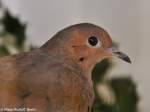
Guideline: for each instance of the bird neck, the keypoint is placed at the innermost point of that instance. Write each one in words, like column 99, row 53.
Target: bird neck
column 62, row 54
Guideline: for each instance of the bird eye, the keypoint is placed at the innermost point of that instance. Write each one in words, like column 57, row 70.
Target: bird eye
column 93, row 41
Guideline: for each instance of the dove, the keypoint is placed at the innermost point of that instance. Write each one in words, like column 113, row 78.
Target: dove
column 57, row 76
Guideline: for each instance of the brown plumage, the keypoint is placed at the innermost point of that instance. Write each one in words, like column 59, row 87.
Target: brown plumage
column 57, row 76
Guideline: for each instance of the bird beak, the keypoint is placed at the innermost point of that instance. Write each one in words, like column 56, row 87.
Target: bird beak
column 115, row 52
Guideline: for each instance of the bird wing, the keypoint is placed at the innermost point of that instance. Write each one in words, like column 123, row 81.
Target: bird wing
column 36, row 81
column 20, row 76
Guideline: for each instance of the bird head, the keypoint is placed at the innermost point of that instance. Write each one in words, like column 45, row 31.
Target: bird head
column 86, row 44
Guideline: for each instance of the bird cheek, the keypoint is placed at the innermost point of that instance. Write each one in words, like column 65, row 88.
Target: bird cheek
column 103, row 54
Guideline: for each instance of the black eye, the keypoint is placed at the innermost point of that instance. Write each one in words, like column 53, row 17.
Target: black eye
column 93, row 41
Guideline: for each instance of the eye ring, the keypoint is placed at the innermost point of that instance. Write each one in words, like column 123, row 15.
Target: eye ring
column 94, row 42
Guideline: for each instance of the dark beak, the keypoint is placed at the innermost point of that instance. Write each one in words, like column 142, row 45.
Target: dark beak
column 120, row 54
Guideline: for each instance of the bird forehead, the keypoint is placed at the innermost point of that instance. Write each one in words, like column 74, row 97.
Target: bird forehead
column 81, row 36
column 79, row 33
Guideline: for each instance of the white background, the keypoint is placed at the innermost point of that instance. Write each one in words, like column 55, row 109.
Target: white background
column 127, row 21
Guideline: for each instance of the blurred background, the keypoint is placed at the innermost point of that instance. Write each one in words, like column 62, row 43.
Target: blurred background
column 27, row 24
